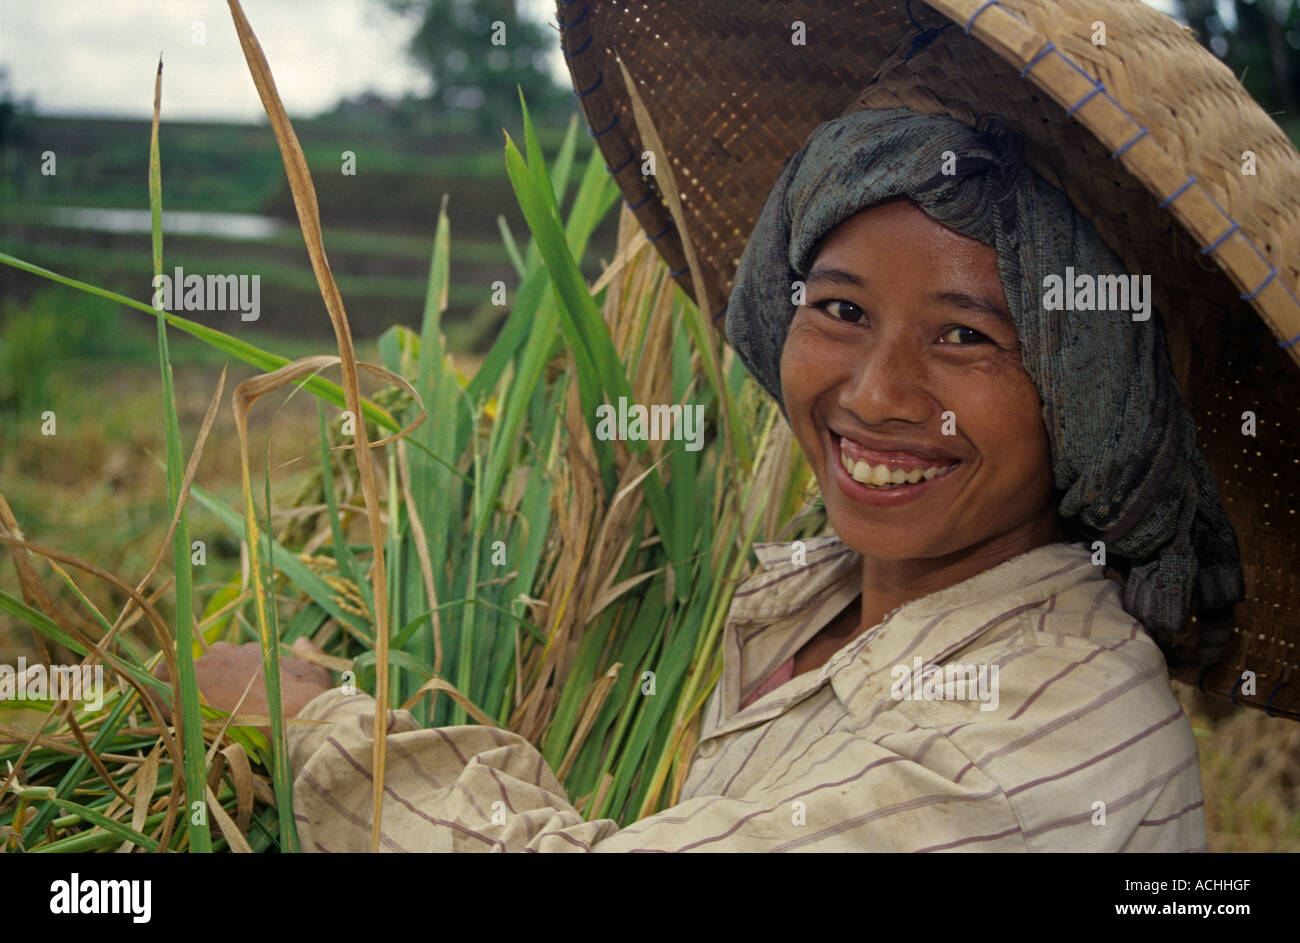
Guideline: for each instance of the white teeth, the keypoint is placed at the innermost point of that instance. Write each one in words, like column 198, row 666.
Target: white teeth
column 882, row 475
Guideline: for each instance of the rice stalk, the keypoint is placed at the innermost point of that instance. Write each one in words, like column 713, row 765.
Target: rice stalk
column 188, row 721
column 304, row 200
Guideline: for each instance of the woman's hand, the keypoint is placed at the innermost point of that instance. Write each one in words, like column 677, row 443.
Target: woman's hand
column 224, row 671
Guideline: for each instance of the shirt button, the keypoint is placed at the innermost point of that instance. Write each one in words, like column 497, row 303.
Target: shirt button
column 707, row 749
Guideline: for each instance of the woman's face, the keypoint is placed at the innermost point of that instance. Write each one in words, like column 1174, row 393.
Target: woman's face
column 900, row 340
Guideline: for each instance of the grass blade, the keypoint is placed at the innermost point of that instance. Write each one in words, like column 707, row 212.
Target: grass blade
column 191, row 725
column 304, row 201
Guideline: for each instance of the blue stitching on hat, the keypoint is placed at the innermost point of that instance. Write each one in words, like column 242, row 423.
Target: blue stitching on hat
column 1200, row 682
column 1271, row 272
column 720, row 313
column 680, row 271
column 1218, row 242
column 922, row 39
column 647, row 196
column 1268, row 705
column 1097, row 83
column 923, row 36
column 1082, row 101
column 1050, row 47
column 630, row 153
column 1264, row 258
column 663, row 232
column 564, row 25
column 577, row 52
column 595, row 85
column 1131, row 141
column 1233, row 696
column 1078, row 68
column 1177, row 193
column 971, row 21
column 596, row 134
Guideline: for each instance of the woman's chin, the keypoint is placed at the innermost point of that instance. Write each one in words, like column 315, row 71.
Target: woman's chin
column 884, row 541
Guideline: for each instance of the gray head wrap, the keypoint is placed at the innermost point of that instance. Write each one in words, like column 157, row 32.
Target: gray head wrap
column 1123, row 447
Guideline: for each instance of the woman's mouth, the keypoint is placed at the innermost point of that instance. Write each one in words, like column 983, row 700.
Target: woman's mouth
column 878, row 475
column 888, row 475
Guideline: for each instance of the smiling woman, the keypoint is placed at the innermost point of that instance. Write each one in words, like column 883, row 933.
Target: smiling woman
column 872, row 364
column 964, row 437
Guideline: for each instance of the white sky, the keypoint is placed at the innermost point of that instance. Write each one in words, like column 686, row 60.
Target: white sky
column 98, row 57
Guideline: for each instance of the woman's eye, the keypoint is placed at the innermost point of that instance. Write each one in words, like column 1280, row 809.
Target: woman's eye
column 852, row 316
column 850, row 313
column 978, row 337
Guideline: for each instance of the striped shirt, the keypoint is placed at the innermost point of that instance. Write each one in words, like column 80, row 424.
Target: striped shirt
column 1019, row 710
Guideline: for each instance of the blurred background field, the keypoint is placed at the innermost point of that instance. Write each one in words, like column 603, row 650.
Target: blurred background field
column 97, row 489
column 227, row 208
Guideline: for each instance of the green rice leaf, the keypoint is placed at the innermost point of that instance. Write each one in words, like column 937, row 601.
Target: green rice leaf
column 192, row 743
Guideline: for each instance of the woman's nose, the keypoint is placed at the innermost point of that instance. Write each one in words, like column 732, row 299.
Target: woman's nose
column 888, row 381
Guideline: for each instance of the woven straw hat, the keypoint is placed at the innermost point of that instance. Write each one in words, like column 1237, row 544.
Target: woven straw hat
column 1149, row 135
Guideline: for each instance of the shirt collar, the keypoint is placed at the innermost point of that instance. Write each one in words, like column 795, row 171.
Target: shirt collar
column 803, row 585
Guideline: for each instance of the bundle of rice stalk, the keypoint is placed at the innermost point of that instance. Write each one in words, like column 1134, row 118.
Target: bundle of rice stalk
column 601, row 567
column 635, row 602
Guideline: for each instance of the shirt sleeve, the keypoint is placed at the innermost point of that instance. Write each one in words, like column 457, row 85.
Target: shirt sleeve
column 475, row 788
column 446, row 789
